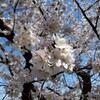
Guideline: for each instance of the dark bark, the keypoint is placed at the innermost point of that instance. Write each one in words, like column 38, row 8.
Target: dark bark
column 92, row 5
column 26, row 94
column 4, row 27
column 9, row 67
column 27, row 55
column 89, row 21
column 40, row 9
column 5, row 60
column 86, row 83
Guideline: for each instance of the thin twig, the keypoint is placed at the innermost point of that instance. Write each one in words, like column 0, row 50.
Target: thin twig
column 66, row 82
column 5, row 95
column 91, row 5
column 96, row 78
column 40, row 9
column 37, row 81
column 97, row 18
column 43, row 84
column 53, row 91
column 16, row 4
column 3, row 85
column 54, row 76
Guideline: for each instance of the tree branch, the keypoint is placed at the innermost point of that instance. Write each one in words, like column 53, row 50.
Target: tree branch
column 53, row 91
column 97, row 18
column 91, row 5
column 93, row 27
column 15, row 6
column 27, row 55
column 41, row 11
column 6, row 60
column 54, row 76
column 86, row 82
column 26, row 93
column 4, row 27
column 5, row 95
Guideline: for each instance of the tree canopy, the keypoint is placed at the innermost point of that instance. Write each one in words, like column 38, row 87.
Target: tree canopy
column 49, row 49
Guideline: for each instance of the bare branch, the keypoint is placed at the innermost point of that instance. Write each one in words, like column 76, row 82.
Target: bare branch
column 86, row 82
column 66, row 82
column 93, row 27
column 40, row 9
column 16, row 6
column 3, row 85
column 97, row 18
column 5, row 95
column 43, row 84
column 26, row 93
column 53, row 91
column 14, row 16
column 27, row 55
column 3, row 27
column 54, row 76
column 37, row 81
column 91, row 5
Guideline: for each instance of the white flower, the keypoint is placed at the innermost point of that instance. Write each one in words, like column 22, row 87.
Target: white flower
column 58, row 63
column 53, row 69
column 51, row 24
column 96, row 65
column 68, row 67
column 39, row 74
column 40, row 59
column 3, row 5
column 60, row 42
column 54, row 55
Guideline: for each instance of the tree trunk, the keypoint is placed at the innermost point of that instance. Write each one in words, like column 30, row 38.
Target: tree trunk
column 26, row 94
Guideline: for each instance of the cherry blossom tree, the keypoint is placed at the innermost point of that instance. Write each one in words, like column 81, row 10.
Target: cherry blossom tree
column 49, row 49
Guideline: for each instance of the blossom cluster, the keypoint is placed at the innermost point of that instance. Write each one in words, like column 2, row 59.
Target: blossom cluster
column 50, row 50
column 43, row 37
column 49, row 30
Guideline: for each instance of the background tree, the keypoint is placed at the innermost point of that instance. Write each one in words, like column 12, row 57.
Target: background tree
column 50, row 49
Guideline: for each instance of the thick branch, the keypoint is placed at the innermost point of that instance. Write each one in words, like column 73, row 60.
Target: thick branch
column 9, row 67
column 27, row 55
column 86, row 82
column 5, row 60
column 26, row 93
column 4, row 27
